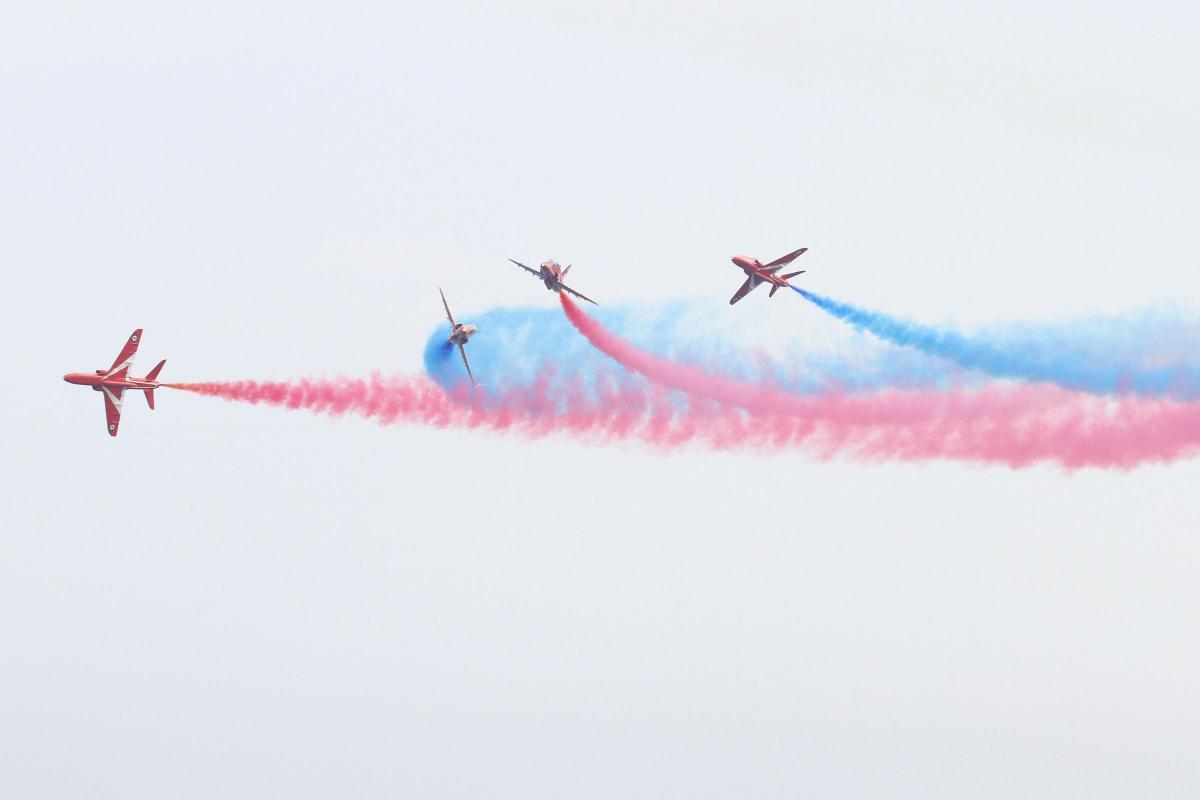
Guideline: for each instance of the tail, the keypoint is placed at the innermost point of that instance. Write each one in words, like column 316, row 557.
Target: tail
column 775, row 288
column 151, row 376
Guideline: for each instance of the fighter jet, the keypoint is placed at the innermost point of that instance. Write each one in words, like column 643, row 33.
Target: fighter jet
column 758, row 272
column 115, row 380
column 459, row 335
column 552, row 274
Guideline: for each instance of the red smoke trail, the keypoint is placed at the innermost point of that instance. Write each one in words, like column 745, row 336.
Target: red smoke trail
column 1014, row 425
column 604, row 413
column 891, row 406
column 1072, row 431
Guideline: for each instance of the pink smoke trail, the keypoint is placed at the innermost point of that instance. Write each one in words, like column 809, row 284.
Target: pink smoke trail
column 1014, row 425
column 612, row 412
column 1061, row 427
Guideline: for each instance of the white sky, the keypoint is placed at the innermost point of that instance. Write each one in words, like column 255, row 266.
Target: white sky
column 229, row 600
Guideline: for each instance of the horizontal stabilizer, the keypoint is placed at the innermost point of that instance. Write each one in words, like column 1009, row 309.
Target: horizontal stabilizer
column 793, row 274
column 152, row 375
column 149, row 398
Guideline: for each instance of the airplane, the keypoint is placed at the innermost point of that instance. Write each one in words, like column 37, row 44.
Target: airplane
column 459, row 335
column 115, row 380
column 758, row 273
column 552, row 274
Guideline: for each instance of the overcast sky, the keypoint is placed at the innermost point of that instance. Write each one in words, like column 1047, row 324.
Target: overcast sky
column 231, row 600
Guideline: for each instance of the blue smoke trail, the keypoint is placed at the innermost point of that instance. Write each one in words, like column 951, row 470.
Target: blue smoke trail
column 1151, row 353
column 438, row 363
column 517, row 347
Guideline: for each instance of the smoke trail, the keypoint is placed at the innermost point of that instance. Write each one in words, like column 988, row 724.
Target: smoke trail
column 622, row 393
column 1016, row 425
column 1148, row 354
column 998, row 427
column 763, row 399
column 516, row 344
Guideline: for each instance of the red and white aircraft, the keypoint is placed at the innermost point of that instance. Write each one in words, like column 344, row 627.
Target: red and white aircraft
column 552, row 273
column 460, row 334
column 758, row 272
column 115, row 380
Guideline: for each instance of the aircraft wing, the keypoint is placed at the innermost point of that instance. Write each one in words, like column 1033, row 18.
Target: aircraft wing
column 527, row 269
column 120, row 367
column 112, row 408
column 742, row 292
column 789, row 258
column 446, row 306
column 569, row 290
column 463, row 352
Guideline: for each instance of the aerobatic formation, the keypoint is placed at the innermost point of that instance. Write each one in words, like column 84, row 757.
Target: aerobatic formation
column 1107, row 393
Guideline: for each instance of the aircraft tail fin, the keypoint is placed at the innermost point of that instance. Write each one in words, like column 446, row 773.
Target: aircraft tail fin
column 793, row 274
column 774, row 289
column 565, row 271
column 152, row 375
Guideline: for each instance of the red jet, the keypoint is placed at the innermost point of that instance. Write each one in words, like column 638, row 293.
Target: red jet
column 758, row 272
column 460, row 334
column 552, row 273
column 115, row 380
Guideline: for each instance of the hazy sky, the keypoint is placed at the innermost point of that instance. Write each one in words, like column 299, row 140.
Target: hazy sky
column 230, row 600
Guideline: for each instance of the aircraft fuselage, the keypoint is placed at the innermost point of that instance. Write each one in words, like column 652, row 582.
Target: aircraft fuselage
column 462, row 333
column 753, row 269
column 97, row 382
column 552, row 275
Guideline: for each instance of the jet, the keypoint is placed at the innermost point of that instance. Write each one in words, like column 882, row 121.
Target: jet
column 115, row 380
column 552, row 274
column 758, row 272
column 460, row 334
